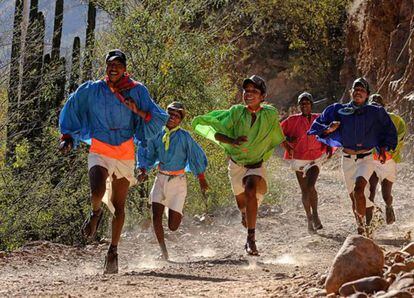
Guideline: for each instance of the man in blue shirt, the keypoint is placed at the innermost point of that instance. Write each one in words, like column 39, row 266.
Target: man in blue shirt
column 359, row 128
column 174, row 151
column 110, row 115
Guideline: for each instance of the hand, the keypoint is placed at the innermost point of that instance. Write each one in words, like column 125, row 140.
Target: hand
column 329, row 151
column 240, row 140
column 332, row 127
column 203, row 185
column 66, row 145
column 142, row 176
column 288, row 148
column 383, row 155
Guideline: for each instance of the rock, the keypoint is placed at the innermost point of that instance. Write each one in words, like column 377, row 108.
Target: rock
column 367, row 285
column 397, row 268
column 2, row 254
column 358, row 257
column 358, row 295
column 394, row 294
column 403, row 281
column 409, row 249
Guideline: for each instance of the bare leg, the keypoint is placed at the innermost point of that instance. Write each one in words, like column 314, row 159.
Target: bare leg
column 97, row 180
column 359, row 201
column 373, row 181
column 251, row 184
column 157, row 212
column 241, row 204
column 174, row 220
column 313, row 174
column 119, row 195
column 303, row 183
column 386, row 187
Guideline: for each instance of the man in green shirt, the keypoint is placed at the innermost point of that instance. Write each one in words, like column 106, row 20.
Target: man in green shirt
column 248, row 133
column 387, row 172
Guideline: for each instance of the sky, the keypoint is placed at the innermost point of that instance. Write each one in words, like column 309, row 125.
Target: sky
column 74, row 24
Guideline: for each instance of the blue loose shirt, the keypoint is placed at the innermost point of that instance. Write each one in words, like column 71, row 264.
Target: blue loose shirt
column 183, row 153
column 368, row 127
column 93, row 111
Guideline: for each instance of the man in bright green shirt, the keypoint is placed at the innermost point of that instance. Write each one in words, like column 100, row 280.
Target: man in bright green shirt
column 387, row 172
column 248, row 134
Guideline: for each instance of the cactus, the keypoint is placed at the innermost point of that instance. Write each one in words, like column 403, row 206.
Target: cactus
column 57, row 30
column 13, row 90
column 32, row 71
column 90, row 42
column 75, row 71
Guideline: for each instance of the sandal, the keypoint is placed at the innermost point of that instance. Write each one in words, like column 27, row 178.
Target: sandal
column 91, row 224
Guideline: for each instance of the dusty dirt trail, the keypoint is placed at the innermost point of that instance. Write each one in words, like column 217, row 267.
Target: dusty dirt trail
column 208, row 260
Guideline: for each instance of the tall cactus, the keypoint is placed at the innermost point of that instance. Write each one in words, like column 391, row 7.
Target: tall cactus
column 13, row 91
column 90, row 42
column 75, row 71
column 32, row 71
column 57, row 30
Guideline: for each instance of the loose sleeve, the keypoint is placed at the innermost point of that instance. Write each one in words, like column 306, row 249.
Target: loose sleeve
column 73, row 119
column 196, row 158
column 220, row 121
column 146, row 155
column 322, row 123
column 388, row 136
column 149, row 127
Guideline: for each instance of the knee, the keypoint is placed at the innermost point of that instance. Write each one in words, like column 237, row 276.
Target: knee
column 173, row 226
column 359, row 189
column 119, row 211
column 98, row 191
column 312, row 191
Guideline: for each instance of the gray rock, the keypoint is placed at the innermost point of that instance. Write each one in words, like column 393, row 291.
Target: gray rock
column 368, row 285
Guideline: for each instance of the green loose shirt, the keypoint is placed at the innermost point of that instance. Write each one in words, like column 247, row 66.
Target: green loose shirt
column 401, row 128
column 262, row 137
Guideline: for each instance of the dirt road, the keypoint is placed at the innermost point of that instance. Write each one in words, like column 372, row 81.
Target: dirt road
column 208, row 260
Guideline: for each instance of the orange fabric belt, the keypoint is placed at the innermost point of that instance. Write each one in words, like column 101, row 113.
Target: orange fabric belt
column 125, row 151
column 172, row 173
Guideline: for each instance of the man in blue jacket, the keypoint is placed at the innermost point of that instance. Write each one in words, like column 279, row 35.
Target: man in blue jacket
column 110, row 115
column 359, row 128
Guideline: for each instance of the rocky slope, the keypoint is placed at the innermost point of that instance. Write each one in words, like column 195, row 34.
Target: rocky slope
column 380, row 46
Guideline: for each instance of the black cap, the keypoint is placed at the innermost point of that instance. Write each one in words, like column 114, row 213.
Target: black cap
column 177, row 106
column 361, row 82
column 257, row 81
column 305, row 95
column 116, row 54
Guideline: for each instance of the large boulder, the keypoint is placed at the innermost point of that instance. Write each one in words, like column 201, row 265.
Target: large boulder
column 358, row 257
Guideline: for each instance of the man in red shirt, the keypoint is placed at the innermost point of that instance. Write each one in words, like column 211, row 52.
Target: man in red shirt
column 307, row 152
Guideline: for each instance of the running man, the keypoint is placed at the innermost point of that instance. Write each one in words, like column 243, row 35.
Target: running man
column 387, row 172
column 174, row 151
column 359, row 128
column 306, row 151
column 248, row 133
column 110, row 115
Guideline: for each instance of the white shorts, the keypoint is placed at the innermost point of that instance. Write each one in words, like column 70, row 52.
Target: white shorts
column 388, row 170
column 169, row 191
column 297, row 165
column 119, row 168
column 361, row 167
column 237, row 173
